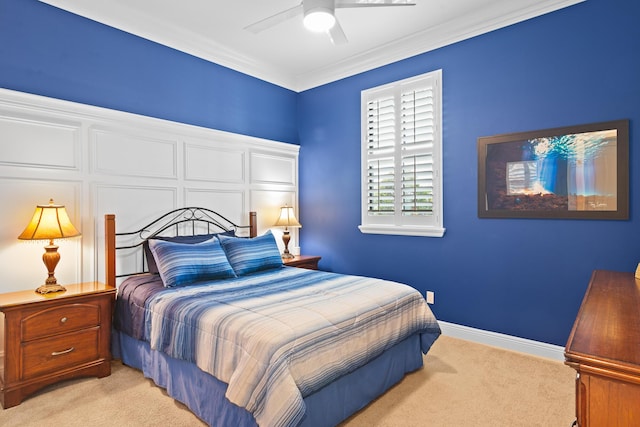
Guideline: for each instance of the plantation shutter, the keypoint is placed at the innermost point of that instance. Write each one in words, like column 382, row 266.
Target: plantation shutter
column 401, row 156
column 417, row 151
column 381, row 172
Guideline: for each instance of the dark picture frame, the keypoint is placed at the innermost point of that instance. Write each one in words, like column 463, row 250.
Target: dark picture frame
column 572, row 172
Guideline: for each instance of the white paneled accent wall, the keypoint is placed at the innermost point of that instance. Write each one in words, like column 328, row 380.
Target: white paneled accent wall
column 97, row 161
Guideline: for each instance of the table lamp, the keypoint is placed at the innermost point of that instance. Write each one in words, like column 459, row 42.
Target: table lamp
column 49, row 222
column 287, row 219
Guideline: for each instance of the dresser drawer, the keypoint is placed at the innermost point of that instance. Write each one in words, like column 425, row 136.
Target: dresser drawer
column 60, row 320
column 64, row 351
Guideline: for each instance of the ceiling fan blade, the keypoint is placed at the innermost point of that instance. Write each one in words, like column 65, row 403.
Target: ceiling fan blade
column 275, row 19
column 383, row 3
column 337, row 35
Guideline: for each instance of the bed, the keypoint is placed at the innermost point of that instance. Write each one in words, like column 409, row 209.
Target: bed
column 214, row 317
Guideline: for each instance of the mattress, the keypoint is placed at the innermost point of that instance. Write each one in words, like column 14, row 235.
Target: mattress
column 275, row 337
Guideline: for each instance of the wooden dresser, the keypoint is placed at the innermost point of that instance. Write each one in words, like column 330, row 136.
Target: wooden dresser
column 604, row 349
column 53, row 337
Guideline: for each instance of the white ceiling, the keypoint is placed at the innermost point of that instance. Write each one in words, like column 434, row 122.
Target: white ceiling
column 290, row 56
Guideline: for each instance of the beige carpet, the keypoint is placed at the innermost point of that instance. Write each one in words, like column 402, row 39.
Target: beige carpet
column 468, row 384
column 462, row 384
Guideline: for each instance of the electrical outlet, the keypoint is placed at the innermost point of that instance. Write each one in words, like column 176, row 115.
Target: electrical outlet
column 431, row 296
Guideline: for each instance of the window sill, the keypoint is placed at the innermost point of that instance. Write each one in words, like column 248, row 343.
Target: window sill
column 403, row 230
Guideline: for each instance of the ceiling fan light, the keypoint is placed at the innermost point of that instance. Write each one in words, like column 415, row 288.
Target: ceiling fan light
column 319, row 19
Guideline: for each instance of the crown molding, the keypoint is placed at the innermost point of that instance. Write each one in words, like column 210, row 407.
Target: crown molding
column 433, row 38
column 178, row 38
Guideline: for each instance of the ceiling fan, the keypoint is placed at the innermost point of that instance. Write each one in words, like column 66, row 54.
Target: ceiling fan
column 319, row 16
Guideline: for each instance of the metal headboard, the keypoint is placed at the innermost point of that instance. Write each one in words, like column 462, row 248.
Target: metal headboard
column 187, row 221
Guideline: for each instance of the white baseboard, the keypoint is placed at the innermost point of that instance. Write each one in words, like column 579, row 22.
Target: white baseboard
column 507, row 342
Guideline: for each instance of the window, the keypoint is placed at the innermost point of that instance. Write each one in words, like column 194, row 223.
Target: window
column 401, row 157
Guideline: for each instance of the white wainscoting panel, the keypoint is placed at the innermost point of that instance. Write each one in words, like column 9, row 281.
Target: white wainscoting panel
column 118, row 153
column 127, row 201
column 134, row 207
column 98, row 161
column 272, row 169
column 31, row 142
column 204, row 163
column 228, row 203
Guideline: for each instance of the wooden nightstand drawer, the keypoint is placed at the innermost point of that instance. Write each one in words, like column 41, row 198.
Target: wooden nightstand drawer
column 303, row 261
column 64, row 351
column 60, row 320
column 55, row 337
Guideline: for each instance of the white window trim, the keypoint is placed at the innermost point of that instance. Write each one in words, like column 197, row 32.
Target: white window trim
column 378, row 225
column 403, row 230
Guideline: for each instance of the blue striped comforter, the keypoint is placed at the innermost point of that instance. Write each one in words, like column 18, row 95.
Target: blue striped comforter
column 282, row 334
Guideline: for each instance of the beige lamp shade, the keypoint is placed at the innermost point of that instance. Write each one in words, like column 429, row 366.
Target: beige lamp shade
column 49, row 222
column 287, row 218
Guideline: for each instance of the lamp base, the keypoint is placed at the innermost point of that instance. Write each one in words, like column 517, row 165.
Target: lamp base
column 285, row 238
column 50, row 287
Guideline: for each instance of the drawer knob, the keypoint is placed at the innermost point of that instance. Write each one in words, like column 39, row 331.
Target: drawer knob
column 63, row 320
column 60, row 353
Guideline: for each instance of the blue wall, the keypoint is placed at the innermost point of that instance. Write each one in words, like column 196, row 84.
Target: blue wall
column 50, row 52
column 520, row 277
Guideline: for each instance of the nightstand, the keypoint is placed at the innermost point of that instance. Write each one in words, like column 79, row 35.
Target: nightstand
column 302, row 261
column 53, row 337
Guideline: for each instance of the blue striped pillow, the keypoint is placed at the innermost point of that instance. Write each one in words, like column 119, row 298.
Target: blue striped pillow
column 181, row 264
column 251, row 255
column 197, row 238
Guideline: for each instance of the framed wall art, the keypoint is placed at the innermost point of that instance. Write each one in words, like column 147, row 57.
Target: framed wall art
column 570, row 172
